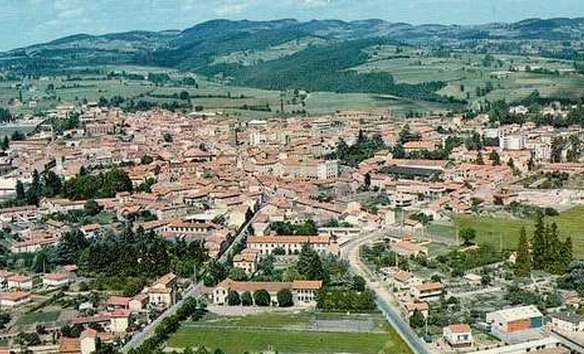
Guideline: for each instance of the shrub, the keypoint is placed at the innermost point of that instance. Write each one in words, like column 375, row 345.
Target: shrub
column 285, row 298
column 262, row 298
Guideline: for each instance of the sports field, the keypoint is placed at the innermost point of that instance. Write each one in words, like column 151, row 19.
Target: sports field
column 304, row 332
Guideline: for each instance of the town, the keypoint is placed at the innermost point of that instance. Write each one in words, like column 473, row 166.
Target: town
column 128, row 222
column 315, row 176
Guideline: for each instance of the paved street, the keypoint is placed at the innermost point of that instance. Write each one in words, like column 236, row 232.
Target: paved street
column 351, row 252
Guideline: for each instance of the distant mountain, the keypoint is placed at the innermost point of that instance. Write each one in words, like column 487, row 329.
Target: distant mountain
column 250, row 51
column 239, row 35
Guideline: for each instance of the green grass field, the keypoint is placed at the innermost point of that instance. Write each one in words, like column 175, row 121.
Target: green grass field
column 38, row 318
column 289, row 333
column 498, row 230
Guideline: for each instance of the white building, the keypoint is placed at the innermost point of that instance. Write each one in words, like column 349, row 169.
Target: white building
column 458, row 335
column 568, row 322
column 15, row 298
column 517, row 324
column 21, row 282
column 56, row 280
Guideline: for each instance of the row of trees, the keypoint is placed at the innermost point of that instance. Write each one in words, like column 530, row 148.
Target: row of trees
column 191, row 308
column 260, row 298
column 546, row 251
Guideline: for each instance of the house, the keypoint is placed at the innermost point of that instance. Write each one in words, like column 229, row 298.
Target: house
column 14, row 298
column 265, row 245
column 567, row 322
column 403, row 280
column 160, row 297
column 406, row 248
column 117, row 302
column 56, row 280
column 247, row 260
column 516, row 324
column 88, row 341
column 120, row 320
column 138, row 303
column 22, row 282
column 458, row 335
column 420, row 306
column 303, row 291
column 427, row 290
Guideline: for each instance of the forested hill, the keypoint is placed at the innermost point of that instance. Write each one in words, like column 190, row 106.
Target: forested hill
column 314, row 55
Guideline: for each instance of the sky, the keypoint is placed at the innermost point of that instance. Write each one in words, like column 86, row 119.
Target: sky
column 25, row 22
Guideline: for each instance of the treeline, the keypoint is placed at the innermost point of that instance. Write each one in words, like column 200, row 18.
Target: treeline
column 363, row 149
column 547, row 252
column 131, row 105
column 81, row 187
column 102, row 185
column 130, row 254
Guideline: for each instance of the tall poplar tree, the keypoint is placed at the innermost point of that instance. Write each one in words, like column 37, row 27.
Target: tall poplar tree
column 538, row 243
column 523, row 260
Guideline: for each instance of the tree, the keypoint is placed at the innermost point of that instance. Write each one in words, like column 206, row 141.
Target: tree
column 237, row 274
column 495, row 158
column 27, row 339
column 479, row 160
column 233, row 298
column 167, row 137
column 511, row 163
column 4, row 319
column 146, row 160
column 467, row 234
column 309, row 264
column 552, row 251
column 34, row 192
column 567, row 253
column 184, row 95
column 20, row 193
column 91, row 207
column 417, row 319
column 523, row 259
column 285, row 298
column 5, row 144
column 539, row 243
column 367, row 181
column 358, row 283
column 52, row 184
column 262, row 298
column 246, row 299
column 70, row 247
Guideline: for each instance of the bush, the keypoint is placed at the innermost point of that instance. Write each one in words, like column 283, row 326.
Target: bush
column 262, row 298
column 285, row 298
column 233, row 298
column 246, row 299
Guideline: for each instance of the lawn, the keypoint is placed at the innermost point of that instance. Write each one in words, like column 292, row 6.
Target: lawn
column 38, row 318
column 289, row 333
column 499, row 231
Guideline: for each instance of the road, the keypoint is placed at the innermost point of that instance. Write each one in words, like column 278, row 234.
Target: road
column 192, row 291
column 391, row 312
